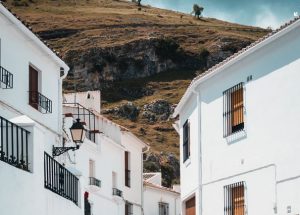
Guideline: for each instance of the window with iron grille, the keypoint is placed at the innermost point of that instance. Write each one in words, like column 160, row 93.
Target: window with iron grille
column 234, row 202
column 163, row 208
column 186, row 141
column 233, row 110
column 128, row 208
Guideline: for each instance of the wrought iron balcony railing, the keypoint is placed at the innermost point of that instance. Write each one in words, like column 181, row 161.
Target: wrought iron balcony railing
column 6, row 78
column 117, row 192
column 40, row 102
column 60, row 180
column 94, row 181
column 13, row 144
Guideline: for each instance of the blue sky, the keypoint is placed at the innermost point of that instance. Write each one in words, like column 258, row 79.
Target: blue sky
column 262, row 13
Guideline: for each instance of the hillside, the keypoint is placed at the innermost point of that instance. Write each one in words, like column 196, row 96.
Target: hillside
column 142, row 55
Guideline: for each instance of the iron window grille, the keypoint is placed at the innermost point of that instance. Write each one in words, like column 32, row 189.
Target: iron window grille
column 40, row 102
column 163, row 208
column 234, row 199
column 14, row 144
column 94, row 181
column 128, row 208
column 186, row 141
column 60, row 180
column 233, row 110
column 117, row 192
column 6, row 78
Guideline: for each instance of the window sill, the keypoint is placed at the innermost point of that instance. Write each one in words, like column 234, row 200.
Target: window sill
column 187, row 162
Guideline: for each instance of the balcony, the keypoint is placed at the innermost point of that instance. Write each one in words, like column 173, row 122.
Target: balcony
column 117, row 192
column 60, row 180
column 40, row 102
column 94, row 182
column 13, row 144
column 85, row 115
column 6, row 79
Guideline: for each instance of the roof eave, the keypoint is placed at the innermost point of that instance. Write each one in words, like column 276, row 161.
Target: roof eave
column 239, row 55
column 33, row 37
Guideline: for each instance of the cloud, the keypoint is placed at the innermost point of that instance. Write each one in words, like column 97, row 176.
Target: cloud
column 266, row 18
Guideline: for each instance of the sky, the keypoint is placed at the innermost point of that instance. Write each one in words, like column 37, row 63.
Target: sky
column 262, row 13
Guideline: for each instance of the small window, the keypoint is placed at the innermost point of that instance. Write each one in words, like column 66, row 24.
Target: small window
column 233, row 110
column 33, row 88
column 127, row 169
column 128, row 208
column 163, row 208
column 234, row 199
column 186, row 141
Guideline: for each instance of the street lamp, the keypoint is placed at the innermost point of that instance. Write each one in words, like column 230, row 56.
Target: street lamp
column 78, row 134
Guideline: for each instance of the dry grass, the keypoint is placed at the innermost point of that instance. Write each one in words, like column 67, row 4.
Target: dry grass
column 108, row 23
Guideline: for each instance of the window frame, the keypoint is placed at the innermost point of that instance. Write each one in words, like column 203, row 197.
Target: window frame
column 186, row 145
column 128, row 208
column 127, row 169
column 234, row 194
column 163, row 207
column 234, row 110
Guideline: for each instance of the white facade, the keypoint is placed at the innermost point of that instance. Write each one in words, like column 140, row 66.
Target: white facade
column 107, row 152
column 22, row 191
column 264, row 156
column 155, row 194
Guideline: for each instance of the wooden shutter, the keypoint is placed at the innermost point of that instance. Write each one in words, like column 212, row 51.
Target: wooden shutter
column 237, row 104
column 238, row 200
column 190, row 207
column 33, row 87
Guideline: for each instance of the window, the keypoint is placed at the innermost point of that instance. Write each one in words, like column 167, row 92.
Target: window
column 233, row 110
column 163, row 208
column 186, row 141
column 91, row 168
column 128, row 208
column 33, row 87
column 234, row 199
column 127, row 170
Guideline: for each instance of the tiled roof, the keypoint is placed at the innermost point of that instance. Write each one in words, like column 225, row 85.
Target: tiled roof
column 233, row 57
column 147, row 176
column 260, row 40
column 160, row 187
column 30, row 28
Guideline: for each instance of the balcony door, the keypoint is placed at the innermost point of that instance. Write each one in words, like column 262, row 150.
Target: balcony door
column 190, row 207
column 33, row 87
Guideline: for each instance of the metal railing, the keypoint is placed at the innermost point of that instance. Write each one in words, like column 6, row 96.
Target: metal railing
column 86, row 116
column 60, row 180
column 234, row 199
column 94, row 181
column 13, row 144
column 40, row 102
column 6, row 78
column 117, row 192
column 127, row 177
column 233, row 110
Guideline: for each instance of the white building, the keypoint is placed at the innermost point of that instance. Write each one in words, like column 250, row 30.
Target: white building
column 30, row 108
column 239, row 127
column 159, row 200
column 109, row 162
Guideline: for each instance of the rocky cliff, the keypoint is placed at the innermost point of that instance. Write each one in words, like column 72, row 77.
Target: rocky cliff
column 142, row 59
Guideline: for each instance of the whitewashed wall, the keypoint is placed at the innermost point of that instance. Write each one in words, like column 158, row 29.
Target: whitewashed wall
column 17, row 53
column 152, row 197
column 271, row 137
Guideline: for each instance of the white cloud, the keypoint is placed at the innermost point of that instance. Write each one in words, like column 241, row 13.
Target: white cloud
column 266, row 18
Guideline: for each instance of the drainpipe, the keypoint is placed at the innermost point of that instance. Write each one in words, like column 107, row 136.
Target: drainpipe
column 199, row 152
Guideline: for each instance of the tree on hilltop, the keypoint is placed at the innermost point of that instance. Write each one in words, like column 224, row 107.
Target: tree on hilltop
column 197, row 10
